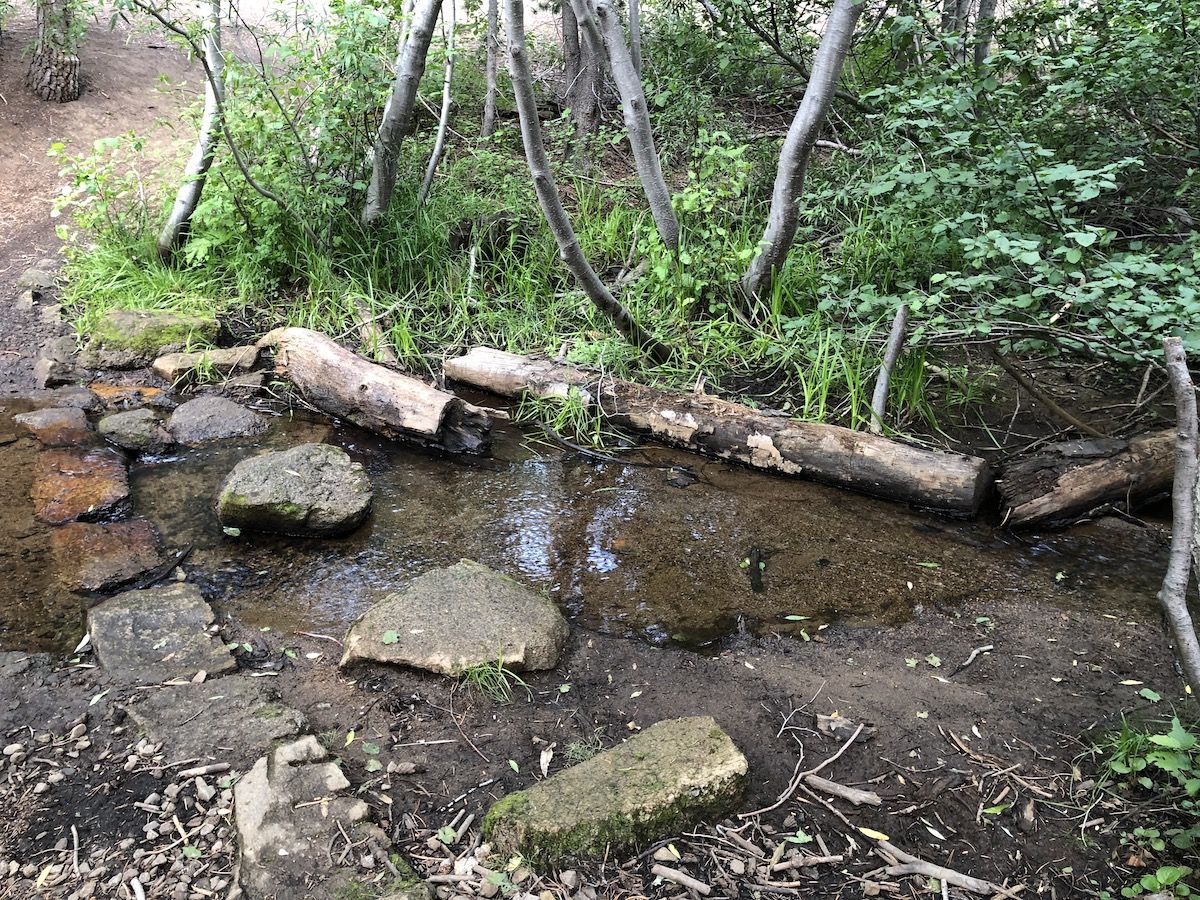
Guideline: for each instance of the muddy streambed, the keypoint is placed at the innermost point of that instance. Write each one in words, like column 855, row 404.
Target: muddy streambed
column 661, row 545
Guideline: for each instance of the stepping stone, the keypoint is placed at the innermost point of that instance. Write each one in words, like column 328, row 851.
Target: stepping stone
column 156, row 635
column 57, row 427
column 674, row 774
column 313, row 489
column 177, row 367
column 71, row 395
column 136, row 429
column 213, row 419
column 452, row 619
column 145, row 333
column 288, row 812
column 102, row 557
column 78, row 484
column 238, row 714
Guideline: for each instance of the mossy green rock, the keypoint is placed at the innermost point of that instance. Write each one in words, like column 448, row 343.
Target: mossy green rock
column 146, row 332
column 672, row 775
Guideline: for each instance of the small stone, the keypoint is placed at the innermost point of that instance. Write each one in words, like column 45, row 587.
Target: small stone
column 213, row 418
column 13, row 749
column 135, row 429
column 204, row 790
column 185, row 367
column 77, row 732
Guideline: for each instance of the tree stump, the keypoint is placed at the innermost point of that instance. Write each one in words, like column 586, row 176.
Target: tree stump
column 53, row 67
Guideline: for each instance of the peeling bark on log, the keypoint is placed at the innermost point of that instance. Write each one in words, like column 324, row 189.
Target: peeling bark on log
column 397, row 406
column 1067, row 481
column 869, row 464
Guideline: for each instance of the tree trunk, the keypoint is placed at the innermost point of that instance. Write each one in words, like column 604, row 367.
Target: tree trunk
column 54, row 66
column 1067, row 481
column 439, row 143
column 600, row 22
column 883, row 381
column 175, row 232
column 985, row 23
column 635, row 35
column 582, row 70
column 345, row 385
column 550, row 201
column 397, row 123
column 797, row 149
column 1185, row 538
column 493, row 61
column 947, row 482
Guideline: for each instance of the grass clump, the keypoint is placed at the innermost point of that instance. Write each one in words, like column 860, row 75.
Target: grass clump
column 494, row 680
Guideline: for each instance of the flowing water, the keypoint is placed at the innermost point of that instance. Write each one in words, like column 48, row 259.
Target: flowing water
column 660, row 545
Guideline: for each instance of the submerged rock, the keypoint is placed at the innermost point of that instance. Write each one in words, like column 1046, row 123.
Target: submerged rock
column 674, row 774
column 72, row 395
column 136, row 429
column 313, row 489
column 56, row 427
column 213, row 419
column 157, row 634
column 176, row 367
column 78, row 484
column 101, row 557
column 285, row 834
column 237, row 713
column 452, row 619
column 144, row 334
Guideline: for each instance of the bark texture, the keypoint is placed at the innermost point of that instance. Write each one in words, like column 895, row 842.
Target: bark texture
column 490, row 67
column 550, row 201
column 53, row 66
column 397, row 123
column 1184, row 535
column 600, row 22
column 948, row 482
column 783, row 217
column 582, row 71
column 883, row 381
column 175, row 232
column 345, row 385
column 1067, row 481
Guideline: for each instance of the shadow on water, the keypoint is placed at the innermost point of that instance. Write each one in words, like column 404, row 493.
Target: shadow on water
column 626, row 547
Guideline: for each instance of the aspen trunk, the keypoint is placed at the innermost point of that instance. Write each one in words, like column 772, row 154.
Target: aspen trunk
column 345, row 385
column 397, row 123
column 439, row 143
column 599, row 20
column 550, row 201
column 175, row 232
column 635, row 35
column 784, row 214
column 894, row 345
column 493, row 62
column 582, row 71
column 948, row 482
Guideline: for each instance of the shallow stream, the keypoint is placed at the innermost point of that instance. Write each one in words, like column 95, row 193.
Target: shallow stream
column 657, row 546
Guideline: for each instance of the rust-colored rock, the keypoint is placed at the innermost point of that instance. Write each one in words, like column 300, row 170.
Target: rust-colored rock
column 124, row 394
column 101, row 557
column 78, row 484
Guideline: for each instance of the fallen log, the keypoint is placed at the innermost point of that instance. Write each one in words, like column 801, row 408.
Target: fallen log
column 379, row 399
column 1065, row 482
column 867, row 463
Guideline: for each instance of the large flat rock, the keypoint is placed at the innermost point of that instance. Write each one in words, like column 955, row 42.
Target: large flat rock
column 313, row 489
column 145, row 333
column 672, row 775
column 213, row 419
column 78, row 484
column 452, row 619
column 93, row 557
column 232, row 720
column 289, row 810
column 156, row 635
column 57, row 426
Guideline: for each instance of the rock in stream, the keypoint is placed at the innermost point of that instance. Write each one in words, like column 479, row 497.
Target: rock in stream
column 213, row 419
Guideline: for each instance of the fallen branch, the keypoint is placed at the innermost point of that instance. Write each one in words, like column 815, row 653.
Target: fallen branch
column 1043, row 398
column 890, row 355
column 678, row 877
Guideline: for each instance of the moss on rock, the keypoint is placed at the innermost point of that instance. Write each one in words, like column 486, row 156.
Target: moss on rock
column 148, row 331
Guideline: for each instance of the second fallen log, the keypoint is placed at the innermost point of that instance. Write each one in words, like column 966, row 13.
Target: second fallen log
column 867, row 463
column 374, row 397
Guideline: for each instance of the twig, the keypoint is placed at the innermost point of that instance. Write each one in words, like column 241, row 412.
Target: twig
column 680, row 878
column 986, row 648
column 1043, row 398
column 800, row 777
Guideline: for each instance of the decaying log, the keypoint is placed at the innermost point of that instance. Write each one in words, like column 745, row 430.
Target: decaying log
column 397, row 406
column 870, row 464
column 1066, row 481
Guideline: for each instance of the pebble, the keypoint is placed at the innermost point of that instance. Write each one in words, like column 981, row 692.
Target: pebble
column 77, row 732
column 13, row 749
column 204, row 790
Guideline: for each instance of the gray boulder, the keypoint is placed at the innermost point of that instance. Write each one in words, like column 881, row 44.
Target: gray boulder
column 213, row 419
column 56, row 427
column 157, row 634
column 313, row 489
column 137, row 430
column 453, row 619
column 674, row 774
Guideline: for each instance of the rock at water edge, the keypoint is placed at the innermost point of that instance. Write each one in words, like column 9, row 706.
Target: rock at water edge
column 177, row 367
column 136, row 429
column 101, row 557
column 157, row 634
column 78, row 484
column 57, row 427
column 672, row 775
column 213, row 419
column 313, row 489
column 144, row 333
column 452, row 619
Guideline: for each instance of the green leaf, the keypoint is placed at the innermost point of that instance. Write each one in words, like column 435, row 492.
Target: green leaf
column 1152, row 696
column 390, row 637
column 192, row 852
column 374, row 765
column 512, row 764
column 368, row 747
